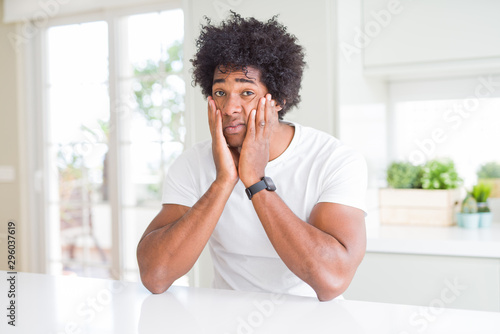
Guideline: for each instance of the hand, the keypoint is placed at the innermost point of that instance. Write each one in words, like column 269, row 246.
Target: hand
column 226, row 159
column 254, row 154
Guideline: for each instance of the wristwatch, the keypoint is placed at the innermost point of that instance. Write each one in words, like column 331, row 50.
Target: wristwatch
column 265, row 183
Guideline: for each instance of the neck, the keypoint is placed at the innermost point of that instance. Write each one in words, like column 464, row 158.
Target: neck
column 280, row 140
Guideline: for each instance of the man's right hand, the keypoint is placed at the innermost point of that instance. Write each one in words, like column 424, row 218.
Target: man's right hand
column 225, row 158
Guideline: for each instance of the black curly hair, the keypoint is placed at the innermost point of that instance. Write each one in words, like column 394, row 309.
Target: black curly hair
column 267, row 46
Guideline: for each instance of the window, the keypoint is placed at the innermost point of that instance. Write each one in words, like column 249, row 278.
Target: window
column 445, row 128
column 114, row 116
column 455, row 118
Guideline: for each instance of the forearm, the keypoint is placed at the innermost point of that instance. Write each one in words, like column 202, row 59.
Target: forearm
column 169, row 252
column 315, row 256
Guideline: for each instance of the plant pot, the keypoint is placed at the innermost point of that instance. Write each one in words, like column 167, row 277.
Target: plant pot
column 468, row 220
column 485, row 219
column 482, row 207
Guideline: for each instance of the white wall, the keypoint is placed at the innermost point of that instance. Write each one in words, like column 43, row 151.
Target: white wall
column 362, row 104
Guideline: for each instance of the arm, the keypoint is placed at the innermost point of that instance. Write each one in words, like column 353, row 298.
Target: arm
column 325, row 252
column 177, row 235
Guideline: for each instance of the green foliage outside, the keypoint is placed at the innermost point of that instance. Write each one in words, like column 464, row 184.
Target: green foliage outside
column 161, row 104
column 166, row 116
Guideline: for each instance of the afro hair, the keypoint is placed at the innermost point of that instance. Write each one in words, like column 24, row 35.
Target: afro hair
column 239, row 43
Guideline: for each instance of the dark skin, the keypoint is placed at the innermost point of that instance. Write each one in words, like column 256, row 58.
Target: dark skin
column 246, row 134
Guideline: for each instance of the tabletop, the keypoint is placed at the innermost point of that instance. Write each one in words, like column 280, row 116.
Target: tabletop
column 61, row 304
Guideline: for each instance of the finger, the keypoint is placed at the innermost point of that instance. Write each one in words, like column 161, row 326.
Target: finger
column 260, row 121
column 218, row 126
column 211, row 114
column 270, row 113
column 251, row 125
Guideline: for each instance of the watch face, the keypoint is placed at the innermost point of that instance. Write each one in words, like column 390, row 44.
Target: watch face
column 269, row 183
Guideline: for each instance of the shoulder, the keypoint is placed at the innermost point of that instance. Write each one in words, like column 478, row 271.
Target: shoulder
column 325, row 146
column 193, row 158
column 199, row 151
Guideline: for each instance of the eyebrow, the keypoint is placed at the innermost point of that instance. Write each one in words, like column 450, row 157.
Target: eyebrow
column 237, row 80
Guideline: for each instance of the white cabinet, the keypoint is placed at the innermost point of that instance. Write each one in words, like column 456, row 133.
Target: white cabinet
column 430, row 35
column 428, row 280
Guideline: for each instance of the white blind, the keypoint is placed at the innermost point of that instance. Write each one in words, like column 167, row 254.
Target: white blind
column 23, row 10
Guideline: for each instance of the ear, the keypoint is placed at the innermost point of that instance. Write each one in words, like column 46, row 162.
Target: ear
column 278, row 107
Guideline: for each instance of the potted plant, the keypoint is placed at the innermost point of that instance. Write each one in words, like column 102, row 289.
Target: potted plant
column 481, row 192
column 490, row 173
column 468, row 216
column 421, row 195
column 440, row 174
column 404, row 175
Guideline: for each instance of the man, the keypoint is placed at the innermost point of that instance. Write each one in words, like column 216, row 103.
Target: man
column 302, row 234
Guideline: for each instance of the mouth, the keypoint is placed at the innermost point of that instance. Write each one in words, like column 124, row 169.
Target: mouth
column 234, row 128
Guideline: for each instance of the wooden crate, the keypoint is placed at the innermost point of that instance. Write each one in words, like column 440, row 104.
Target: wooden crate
column 419, row 206
column 495, row 186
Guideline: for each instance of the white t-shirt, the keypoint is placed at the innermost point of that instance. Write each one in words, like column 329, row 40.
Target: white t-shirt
column 315, row 167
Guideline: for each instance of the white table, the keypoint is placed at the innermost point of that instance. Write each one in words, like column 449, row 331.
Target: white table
column 51, row 304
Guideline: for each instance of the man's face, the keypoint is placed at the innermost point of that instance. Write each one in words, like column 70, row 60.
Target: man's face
column 236, row 94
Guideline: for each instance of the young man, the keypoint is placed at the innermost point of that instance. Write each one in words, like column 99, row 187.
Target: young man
column 281, row 205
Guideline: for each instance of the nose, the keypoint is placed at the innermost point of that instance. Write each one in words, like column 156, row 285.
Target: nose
column 232, row 105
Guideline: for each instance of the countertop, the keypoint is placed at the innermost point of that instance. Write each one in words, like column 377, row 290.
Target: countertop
column 448, row 241
column 61, row 304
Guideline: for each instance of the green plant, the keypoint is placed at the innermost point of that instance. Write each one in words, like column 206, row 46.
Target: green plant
column 404, row 175
column 481, row 192
column 490, row 170
column 469, row 204
column 440, row 174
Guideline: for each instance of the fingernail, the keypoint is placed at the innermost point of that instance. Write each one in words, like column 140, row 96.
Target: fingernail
column 268, row 97
column 272, row 103
column 263, row 101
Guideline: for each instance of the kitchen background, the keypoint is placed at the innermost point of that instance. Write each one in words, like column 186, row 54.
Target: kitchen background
column 96, row 102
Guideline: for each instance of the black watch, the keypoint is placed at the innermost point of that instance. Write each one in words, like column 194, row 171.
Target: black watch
column 265, row 183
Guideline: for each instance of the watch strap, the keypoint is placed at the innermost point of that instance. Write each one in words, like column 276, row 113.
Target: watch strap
column 253, row 189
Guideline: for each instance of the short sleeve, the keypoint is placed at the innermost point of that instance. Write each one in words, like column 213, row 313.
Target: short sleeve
column 179, row 186
column 345, row 180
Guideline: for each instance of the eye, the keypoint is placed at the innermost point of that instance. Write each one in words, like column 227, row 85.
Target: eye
column 219, row 93
column 247, row 93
